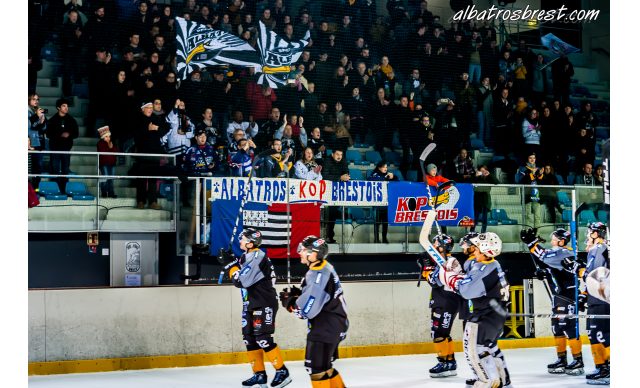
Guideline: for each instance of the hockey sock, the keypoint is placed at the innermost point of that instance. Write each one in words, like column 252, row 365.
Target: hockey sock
column 336, row 380
column 606, row 353
column 441, row 347
column 598, row 352
column 321, row 380
column 275, row 356
column 256, row 360
column 561, row 345
column 450, row 349
column 576, row 346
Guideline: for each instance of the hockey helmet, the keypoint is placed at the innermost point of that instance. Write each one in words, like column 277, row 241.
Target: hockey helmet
column 253, row 235
column 562, row 235
column 466, row 239
column 599, row 228
column 314, row 244
column 489, row 244
column 445, row 241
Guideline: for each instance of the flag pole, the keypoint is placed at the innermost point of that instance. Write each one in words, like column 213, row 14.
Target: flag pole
column 288, row 229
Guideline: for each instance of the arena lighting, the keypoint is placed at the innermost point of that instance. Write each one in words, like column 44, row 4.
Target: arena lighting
column 532, row 22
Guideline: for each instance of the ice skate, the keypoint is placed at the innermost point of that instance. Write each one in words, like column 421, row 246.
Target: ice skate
column 259, row 380
column 281, row 378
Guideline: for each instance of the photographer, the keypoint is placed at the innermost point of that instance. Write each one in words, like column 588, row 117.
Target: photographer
column 37, row 125
column 530, row 174
column 178, row 138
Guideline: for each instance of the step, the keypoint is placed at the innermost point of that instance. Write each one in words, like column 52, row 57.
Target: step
column 44, row 82
column 49, row 91
column 49, row 69
column 586, row 74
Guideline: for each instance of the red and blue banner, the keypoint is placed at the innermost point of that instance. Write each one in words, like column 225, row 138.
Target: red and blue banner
column 409, row 204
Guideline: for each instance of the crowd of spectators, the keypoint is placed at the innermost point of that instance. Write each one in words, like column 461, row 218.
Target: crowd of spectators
column 363, row 78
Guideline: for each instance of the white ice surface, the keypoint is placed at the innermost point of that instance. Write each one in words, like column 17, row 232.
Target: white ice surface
column 527, row 368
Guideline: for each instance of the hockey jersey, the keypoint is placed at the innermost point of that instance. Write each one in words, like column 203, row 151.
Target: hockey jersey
column 598, row 256
column 256, row 278
column 562, row 282
column 322, row 303
column 483, row 281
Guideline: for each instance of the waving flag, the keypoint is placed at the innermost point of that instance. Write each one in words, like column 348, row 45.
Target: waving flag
column 557, row 45
column 275, row 223
column 277, row 55
column 198, row 46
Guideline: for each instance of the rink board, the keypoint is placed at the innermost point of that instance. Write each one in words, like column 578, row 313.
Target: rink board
column 87, row 330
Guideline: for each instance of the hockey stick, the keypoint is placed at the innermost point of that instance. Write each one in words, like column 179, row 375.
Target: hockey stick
column 423, row 157
column 428, row 223
column 503, row 312
column 574, row 245
column 245, row 195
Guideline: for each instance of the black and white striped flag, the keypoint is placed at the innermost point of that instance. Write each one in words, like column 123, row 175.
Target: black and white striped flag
column 272, row 223
column 277, row 55
column 198, row 46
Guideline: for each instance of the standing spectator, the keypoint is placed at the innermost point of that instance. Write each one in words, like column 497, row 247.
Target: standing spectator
column 548, row 195
column 150, row 129
column 506, row 66
column 181, row 132
column 414, row 87
column 531, row 133
column 306, row 167
column 196, row 95
column 530, row 174
column 475, row 62
column 200, row 159
column 37, row 126
column 404, row 123
column 121, row 109
column 335, row 170
column 316, row 143
column 107, row 162
column 561, row 72
column 502, row 119
column 356, row 108
column 98, row 32
column 485, row 112
column 381, row 119
column 381, row 173
column 268, row 129
column 249, row 127
column 291, row 141
column 241, row 161
column 72, row 45
column 418, row 138
column 463, row 163
column 585, row 148
column 260, row 100
column 482, row 196
column 586, row 178
column 341, row 125
column 62, row 128
column 99, row 75
column 276, row 165
column 538, row 81
column 220, row 92
column 520, row 78
column 586, row 118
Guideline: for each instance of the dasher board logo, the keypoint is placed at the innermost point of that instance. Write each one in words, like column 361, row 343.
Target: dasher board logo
column 132, row 249
column 415, row 209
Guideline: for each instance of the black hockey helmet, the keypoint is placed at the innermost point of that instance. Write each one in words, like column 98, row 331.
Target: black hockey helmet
column 315, row 244
column 562, row 235
column 445, row 241
column 253, row 235
column 466, row 239
column 599, row 228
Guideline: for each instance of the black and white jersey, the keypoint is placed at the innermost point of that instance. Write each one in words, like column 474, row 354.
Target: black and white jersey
column 562, row 282
column 322, row 303
column 482, row 282
column 598, row 256
column 256, row 278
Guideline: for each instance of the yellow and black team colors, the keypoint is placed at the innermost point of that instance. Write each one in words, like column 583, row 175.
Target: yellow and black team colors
column 598, row 304
column 321, row 301
column 562, row 284
column 253, row 274
column 444, row 306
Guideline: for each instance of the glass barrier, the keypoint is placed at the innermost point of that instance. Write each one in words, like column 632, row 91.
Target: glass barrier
column 137, row 193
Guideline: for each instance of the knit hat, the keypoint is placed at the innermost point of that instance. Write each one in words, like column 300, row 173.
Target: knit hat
column 431, row 166
column 146, row 104
column 104, row 131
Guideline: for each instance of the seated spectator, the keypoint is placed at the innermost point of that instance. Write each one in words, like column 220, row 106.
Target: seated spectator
column 307, row 168
column 276, row 165
column 586, row 178
column 464, row 166
column 249, row 127
column 599, row 175
column 530, row 174
column 316, row 143
column 181, row 132
column 381, row 173
column 240, row 161
column 482, row 196
column 107, row 163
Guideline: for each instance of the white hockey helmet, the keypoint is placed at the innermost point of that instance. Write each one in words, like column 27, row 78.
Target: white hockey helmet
column 488, row 244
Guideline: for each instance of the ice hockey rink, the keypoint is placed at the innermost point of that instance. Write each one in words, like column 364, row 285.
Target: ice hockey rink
column 527, row 367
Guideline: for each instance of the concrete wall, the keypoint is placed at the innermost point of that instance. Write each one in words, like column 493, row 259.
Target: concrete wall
column 127, row 322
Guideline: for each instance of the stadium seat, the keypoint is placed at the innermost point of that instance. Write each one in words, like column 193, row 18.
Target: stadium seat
column 166, row 191
column 563, row 198
column 392, row 157
column 560, row 179
column 566, row 215
column 397, row 173
column 586, row 217
column 78, row 191
column 603, row 216
column 353, row 156
column 51, row 191
column 571, row 178
column 602, row 132
column 501, row 216
column 373, row 156
column 356, row 174
column 412, row 175
column 359, row 216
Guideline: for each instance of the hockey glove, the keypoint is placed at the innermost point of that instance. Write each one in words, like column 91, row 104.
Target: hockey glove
column 530, row 236
column 433, row 277
column 582, row 302
column 541, row 274
column 232, row 267
column 571, row 265
column 450, row 279
column 288, row 298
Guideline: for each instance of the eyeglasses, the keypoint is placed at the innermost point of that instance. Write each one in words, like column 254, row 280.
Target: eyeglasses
column 35, row 99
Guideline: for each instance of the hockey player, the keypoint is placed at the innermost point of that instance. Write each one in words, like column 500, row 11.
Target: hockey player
column 563, row 288
column 253, row 273
column 597, row 329
column 321, row 302
column 444, row 307
column 485, row 285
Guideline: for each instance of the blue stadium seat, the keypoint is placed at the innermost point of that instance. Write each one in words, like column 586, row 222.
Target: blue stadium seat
column 353, row 156
column 166, row 191
column 397, row 173
column 78, row 191
column 360, row 216
column 355, row 174
column 51, row 191
column 563, row 198
column 571, row 178
column 602, row 132
column 501, row 216
column 586, row 217
column 603, row 216
column 372, row 156
column 560, row 179
column 412, row 175
column 566, row 215
column 392, row 157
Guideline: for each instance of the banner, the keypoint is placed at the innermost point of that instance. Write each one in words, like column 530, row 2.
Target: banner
column 275, row 190
column 557, row 45
column 198, row 46
column 277, row 55
column 409, row 204
column 276, row 223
